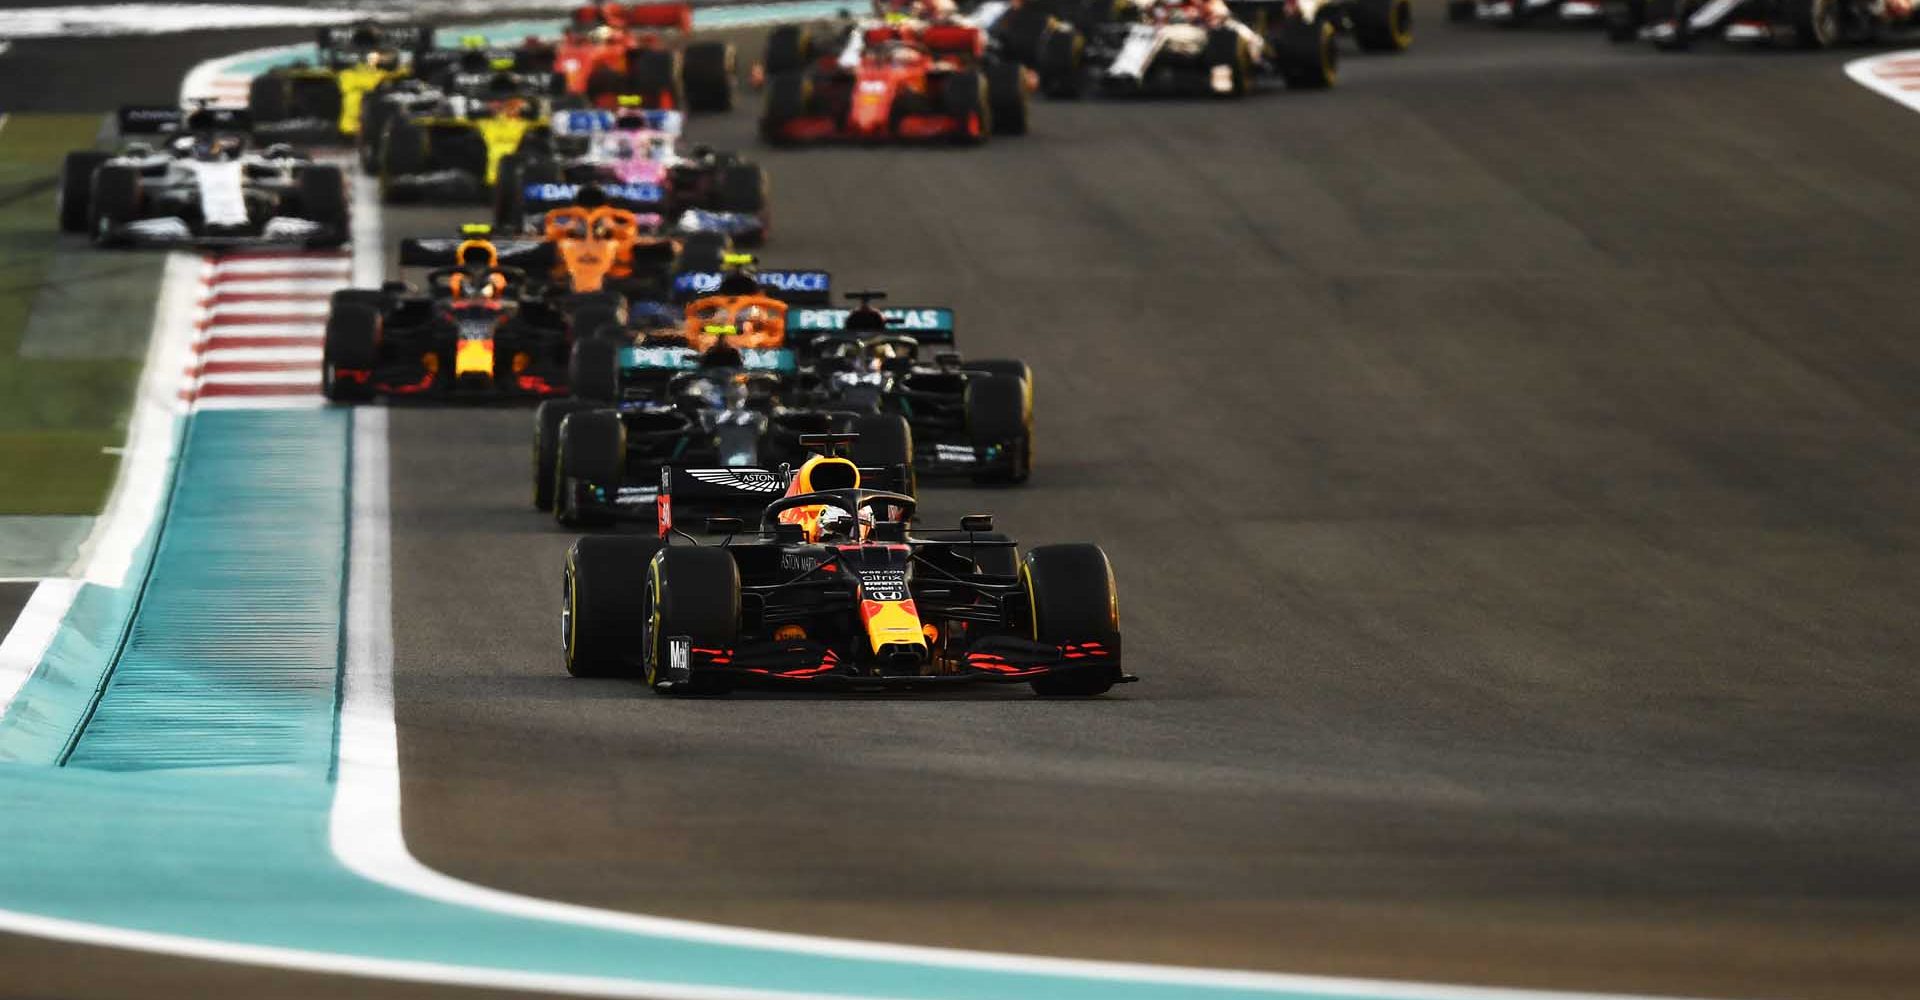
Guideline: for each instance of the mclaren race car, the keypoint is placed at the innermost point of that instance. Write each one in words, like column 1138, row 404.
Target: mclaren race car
column 611, row 49
column 188, row 178
column 833, row 587
column 479, row 331
column 320, row 101
column 636, row 159
column 971, row 418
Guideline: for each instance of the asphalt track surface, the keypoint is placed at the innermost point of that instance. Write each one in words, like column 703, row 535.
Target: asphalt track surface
column 1509, row 465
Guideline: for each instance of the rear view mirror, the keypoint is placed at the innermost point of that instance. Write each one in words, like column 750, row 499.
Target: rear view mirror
column 723, row 525
column 888, row 531
column 977, row 522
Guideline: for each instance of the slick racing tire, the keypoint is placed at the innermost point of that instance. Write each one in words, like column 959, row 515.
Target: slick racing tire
column 1460, row 11
column 1226, row 48
column 1072, row 597
column 885, row 441
column 352, row 343
column 789, row 49
column 786, row 102
column 707, row 71
column 376, row 110
column 1307, row 55
column 546, row 444
column 509, row 194
column 1383, row 25
column 592, row 449
column 593, row 370
column 1022, row 31
column 403, row 151
column 113, row 202
column 1816, row 23
column 1062, row 64
column 605, row 81
column 742, row 188
column 76, row 187
column 1007, row 95
column 267, row 98
column 703, row 251
column 315, row 97
column 656, row 76
column 694, row 592
column 323, row 199
column 965, row 97
column 602, row 587
column 597, row 319
column 1000, row 412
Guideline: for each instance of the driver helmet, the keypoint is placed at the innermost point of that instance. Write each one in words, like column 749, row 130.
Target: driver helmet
column 836, row 525
column 602, row 34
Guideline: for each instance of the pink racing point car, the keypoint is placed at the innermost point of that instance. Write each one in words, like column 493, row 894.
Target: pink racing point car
column 636, row 158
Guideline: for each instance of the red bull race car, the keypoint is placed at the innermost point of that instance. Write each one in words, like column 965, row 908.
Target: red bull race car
column 835, row 588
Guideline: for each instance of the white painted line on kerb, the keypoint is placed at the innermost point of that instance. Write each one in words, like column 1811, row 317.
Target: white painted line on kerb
column 1893, row 75
column 31, row 635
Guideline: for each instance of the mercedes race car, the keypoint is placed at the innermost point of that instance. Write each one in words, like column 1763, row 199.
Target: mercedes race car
column 635, row 158
column 834, row 588
column 1805, row 24
column 610, row 50
column 320, row 101
column 188, row 178
column 972, row 418
column 479, row 331
column 897, row 80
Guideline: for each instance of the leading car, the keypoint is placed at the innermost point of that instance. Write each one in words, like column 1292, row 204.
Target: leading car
column 835, row 588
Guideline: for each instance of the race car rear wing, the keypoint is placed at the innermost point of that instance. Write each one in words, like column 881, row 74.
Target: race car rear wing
column 530, row 255
column 926, row 324
column 140, row 119
column 369, row 37
column 795, row 288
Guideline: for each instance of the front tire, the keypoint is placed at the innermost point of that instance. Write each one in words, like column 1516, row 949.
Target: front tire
column 1000, row 413
column 593, row 370
column 76, row 187
column 1074, row 601
column 692, row 592
column 113, row 202
column 352, row 344
column 1384, row 25
column 593, row 449
column 546, row 444
column 603, row 590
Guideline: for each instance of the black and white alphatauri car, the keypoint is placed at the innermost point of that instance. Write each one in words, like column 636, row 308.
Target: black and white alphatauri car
column 191, row 180
column 1183, row 47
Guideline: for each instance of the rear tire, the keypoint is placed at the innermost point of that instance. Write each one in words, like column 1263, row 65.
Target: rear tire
column 113, row 202
column 1383, row 25
column 1816, row 23
column 786, row 102
column 314, row 97
column 965, row 97
column 546, row 444
column 1062, row 55
column 510, row 195
column 593, row 370
column 703, row 251
column 885, row 441
column 323, row 197
column 656, row 77
column 604, row 590
column 76, row 187
column 693, row 592
column 403, row 152
column 1000, row 412
column 352, row 343
column 593, row 449
column 1007, row 93
column 707, row 71
column 267, row 98
column 1309, row 56
column 789, row 49
column 1074, row 601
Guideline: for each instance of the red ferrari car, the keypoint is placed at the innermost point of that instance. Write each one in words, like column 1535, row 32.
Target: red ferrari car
column 610, row 50
column 899, row 80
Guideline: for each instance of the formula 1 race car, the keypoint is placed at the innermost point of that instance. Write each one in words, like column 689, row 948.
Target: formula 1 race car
column 455, row 152
column 611, row 49
column 201, row 186
column 1521, row 12
column 899, row 80
column 320, row 101
column 835, row 589
column 471, row 85
column 477, row 332
column 1206, row 48
column 634, row 156
column 972, row 418
column 1806, row 24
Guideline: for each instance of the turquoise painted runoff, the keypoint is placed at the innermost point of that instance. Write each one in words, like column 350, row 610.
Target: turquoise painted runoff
column 195, row 801
column 515, row 32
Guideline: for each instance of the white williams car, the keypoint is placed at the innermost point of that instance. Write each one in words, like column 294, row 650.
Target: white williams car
column 196, row 183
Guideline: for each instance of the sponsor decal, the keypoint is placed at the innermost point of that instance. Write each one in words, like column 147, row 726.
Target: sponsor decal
column 745, row 480
column 794, row 562
column 704, row 282
column 640, row 192
column 883, row 584
column 907, row 318
column 954, row 453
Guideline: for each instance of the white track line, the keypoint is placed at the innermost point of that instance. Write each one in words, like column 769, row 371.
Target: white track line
column 31, row 634
column 1893, row 75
